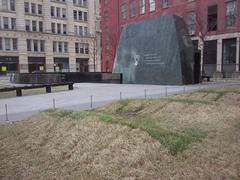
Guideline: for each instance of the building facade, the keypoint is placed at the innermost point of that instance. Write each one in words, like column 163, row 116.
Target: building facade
column 49, row 36
column 214, row 26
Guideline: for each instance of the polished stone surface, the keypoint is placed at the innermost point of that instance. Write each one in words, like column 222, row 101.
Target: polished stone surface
column 156, row 51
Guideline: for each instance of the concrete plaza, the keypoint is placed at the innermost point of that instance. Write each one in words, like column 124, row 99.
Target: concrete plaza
column 19, row 108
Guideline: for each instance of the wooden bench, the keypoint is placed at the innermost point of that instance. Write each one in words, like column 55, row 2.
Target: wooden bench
column 206, row 77
column 47, row 86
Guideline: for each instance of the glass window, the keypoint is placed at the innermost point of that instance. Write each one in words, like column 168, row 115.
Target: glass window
column 58, row 12
column 164, row 3
column 5, row 5
column 76, row 47
column 85, row 16
column 7, row 44
column 40, row 26
column 12, row 5
column 39, row 9
column 5, row 23
column 123, row 9
column 82, row 48
column 29, row 47
column 59, row 28
column 85, row 31
column 15, row 44
column 64, row 29
column 212, row 18
column 35, row 45
column 80, row 31
column 229, row 51
column 64, row 13
column 86, row 49
column 26, row 7
column 132, row 8
column 231, row 13
column 53, row 28
column 75, row 15
column 13, row 22
column 27, row 22
column 34, row 26
column 54, row 46
column 42, row 45
column 33, row 8
column 191, row 22
column 76, row 30
column 1, row 46
column 152, row 5
column 80, row 16
column 60, row 48
column 141, row 6
column 52, row 11
column 65, row 47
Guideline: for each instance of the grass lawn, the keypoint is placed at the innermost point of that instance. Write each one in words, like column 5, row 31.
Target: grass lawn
column 31, row 91
column 188, row 136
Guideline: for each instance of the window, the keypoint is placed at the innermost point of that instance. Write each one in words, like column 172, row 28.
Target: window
column 191, row 22
column 231, row 13
column 59, row 28
column 84, row 3
column 7, row 44
column 1, row 41
column 12, row 5
column 65, row 47
column 29, row 46
column 80, row 31
column 76, row 30
column 164, row 3
column 34, row 26
column 81, row 48
column 33, row 8
column 39, row 9
column 75, row 14
column 132, row 8
column 76, row 47
column 53, row 28
column 54, row 46
column 5, row 23
column 60, row 48
column 212, row 18
column 123, row 9
column 85, row 16
column 64, row 29
column 26, row 7
column 85, row 31
column 141, row 6
column 27, row 22
column 80, row 16
column 42, row 45
column 229, row 51
column 152, row 5
column 35, row 45
column 13, row 22
column 40, row 23
column 58, row 12
column 64, row 13
column 86, row 49
column 15, row 44
column 52, row 11
column 5, row 5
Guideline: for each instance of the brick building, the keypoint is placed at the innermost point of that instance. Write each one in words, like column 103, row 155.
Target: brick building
column 214, row 26
column 49, row 35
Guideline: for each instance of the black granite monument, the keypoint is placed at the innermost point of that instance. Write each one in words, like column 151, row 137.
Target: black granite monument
column 156, row 51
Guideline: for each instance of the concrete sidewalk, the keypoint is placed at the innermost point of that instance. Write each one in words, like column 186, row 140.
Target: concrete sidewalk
column 80, row 98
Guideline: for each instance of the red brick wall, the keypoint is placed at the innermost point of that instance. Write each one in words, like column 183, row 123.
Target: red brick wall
column 114, row 22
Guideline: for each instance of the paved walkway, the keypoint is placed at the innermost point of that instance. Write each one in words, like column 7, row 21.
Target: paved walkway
column 80, row 98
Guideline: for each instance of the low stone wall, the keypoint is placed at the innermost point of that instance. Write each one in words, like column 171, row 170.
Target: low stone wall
column 76, row 77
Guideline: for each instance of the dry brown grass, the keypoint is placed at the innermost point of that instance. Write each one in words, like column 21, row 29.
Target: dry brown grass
column 78, row 145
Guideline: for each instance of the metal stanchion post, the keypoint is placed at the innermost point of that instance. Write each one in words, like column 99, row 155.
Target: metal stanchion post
column 166, row 91
column 6, row 108
column 120, row 95
column 54, row 104
column 91, row 102
column 145, row 93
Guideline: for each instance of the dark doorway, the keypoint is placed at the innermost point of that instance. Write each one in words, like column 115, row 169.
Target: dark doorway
column 36, row 64
column 210, row 58
column 82, row 65
column 61, row 65
column 8, row 64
